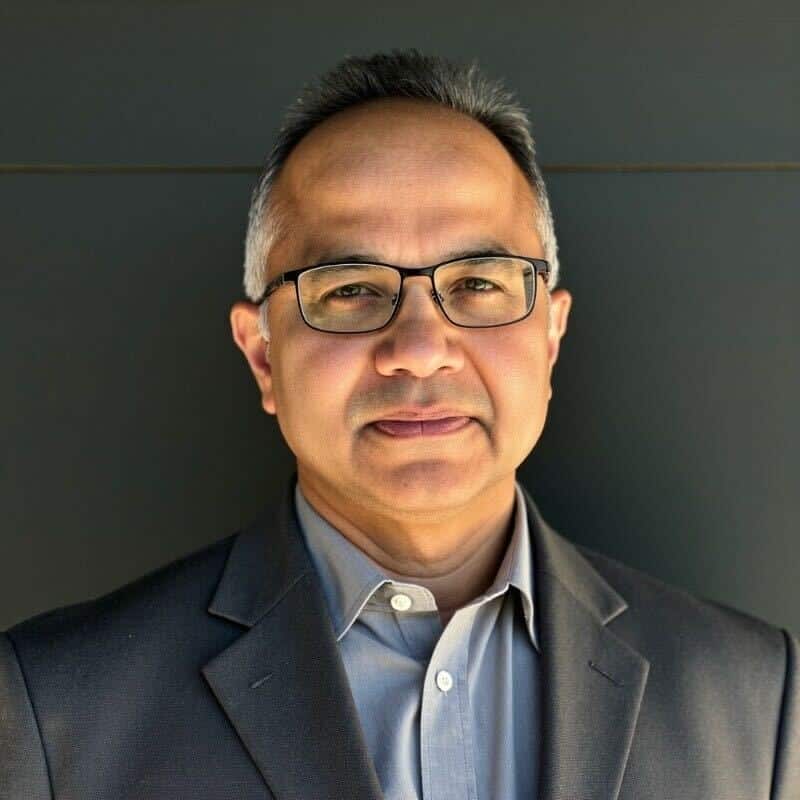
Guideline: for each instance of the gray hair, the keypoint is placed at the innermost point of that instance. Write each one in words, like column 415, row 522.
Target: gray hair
column 400, row 73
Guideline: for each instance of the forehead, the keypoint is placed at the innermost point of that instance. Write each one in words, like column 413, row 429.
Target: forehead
column 397, row 175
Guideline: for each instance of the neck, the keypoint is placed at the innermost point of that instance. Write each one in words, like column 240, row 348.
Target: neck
column 455, row 558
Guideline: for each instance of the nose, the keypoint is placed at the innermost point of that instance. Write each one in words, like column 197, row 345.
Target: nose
column 420, row 339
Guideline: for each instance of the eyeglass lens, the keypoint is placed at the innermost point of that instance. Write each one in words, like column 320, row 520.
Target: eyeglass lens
column 478, row 292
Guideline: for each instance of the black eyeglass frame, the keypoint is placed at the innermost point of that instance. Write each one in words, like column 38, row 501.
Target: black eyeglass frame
column 540, row 267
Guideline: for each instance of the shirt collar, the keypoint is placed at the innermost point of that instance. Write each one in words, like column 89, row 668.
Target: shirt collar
column 350, row 577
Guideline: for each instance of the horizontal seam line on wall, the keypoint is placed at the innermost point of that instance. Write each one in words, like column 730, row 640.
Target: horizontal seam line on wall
column 246, row 169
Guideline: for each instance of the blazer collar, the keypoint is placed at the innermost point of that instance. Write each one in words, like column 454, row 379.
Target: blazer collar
column 284, row 687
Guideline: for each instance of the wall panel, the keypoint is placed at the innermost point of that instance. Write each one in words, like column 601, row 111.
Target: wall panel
column 133, row 431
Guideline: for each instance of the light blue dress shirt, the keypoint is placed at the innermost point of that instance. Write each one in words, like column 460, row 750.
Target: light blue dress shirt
column 448, row 712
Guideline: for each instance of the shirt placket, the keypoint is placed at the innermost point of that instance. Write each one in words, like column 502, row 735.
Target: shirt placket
column 446, row 747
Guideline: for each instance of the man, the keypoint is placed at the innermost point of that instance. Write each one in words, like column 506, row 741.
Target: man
column 405, row 624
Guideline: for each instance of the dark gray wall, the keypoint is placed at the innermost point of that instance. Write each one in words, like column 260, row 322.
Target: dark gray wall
column 132, row 428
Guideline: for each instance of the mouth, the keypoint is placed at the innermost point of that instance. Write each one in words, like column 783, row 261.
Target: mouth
column 408, row 429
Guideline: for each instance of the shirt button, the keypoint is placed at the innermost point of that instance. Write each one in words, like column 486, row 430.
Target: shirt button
column 400, row 602
column 444, row 680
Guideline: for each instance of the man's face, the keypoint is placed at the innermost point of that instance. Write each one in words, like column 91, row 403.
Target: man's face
column 408, row 183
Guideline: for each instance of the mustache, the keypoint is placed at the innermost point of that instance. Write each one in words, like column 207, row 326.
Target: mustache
column 371, row 404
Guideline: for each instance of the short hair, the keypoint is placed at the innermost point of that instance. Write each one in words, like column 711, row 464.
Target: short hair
column 398, row 73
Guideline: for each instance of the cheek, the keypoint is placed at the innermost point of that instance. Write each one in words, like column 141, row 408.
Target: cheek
column 517, row 360
column 517, row 376
column 318, row 379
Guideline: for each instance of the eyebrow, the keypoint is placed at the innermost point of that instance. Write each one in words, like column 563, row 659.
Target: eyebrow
column 484, row 247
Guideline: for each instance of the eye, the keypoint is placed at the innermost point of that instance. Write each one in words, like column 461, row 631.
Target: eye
column 344, row 289
column 482, row 281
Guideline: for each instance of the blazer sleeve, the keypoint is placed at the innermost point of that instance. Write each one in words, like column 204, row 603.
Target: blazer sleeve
column 786, row 779
column 23, row 769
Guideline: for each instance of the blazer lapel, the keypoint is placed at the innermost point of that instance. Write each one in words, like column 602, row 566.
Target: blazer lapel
column 282, row 683
column 592, row 682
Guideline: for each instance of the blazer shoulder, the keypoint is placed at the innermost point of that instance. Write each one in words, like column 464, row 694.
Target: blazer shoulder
column 662, row 612
column 717, row 665
column 81, row 677
column 164, row 598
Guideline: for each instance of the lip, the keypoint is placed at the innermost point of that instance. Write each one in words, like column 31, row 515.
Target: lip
column 421, row 428
column 421, row 413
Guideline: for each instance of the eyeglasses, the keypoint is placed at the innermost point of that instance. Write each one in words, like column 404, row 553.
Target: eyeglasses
column 480, row 292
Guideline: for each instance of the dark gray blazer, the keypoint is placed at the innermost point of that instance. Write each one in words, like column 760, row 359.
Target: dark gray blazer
column 218, row 677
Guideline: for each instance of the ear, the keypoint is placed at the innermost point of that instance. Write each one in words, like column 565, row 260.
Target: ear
column 560, row 304
column 244, row 327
